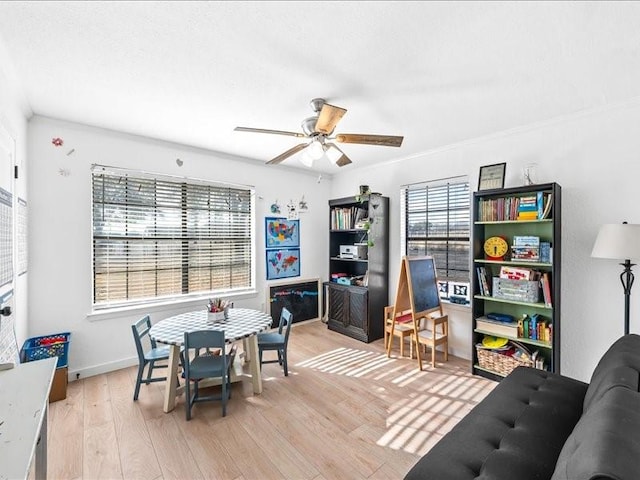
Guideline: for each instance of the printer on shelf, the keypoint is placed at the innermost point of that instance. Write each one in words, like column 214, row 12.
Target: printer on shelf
column 356, row 251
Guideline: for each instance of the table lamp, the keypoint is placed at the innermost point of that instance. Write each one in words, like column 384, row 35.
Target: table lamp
column 620, row 241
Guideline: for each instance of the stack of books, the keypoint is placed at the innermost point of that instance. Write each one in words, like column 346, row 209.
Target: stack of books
column 528, row 208
column 525, row 248
column 498, row 328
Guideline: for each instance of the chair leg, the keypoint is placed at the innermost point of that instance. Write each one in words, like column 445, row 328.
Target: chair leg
column 433, row 354
column 187, row 397
column 284, row 363
column 138, row 381
column 260, row 355
column 150, row 371
column 279, row 358
column 224, row 398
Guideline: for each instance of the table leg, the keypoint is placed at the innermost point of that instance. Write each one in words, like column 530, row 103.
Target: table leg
column 41, row 448
column 172, row 379
column 254, row 365
column 245, row 347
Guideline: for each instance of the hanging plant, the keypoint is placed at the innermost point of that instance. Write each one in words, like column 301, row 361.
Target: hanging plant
column 367, row 227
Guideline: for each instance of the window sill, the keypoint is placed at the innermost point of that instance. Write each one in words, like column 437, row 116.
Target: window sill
column 455, row 306
column 159, row 306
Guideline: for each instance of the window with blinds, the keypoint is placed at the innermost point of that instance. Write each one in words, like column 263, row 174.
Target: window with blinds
column 165, row 237
column 436, row 222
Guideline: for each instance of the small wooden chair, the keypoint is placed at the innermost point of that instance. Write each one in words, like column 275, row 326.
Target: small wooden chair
column 433, row 331
column 402, row 329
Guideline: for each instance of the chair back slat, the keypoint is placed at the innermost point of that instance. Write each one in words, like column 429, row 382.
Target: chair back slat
column 141, row 330
column 286, row 319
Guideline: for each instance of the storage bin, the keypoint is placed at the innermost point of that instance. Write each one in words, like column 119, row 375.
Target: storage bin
column 516, row 290
column 496, row 362
column 56, row 345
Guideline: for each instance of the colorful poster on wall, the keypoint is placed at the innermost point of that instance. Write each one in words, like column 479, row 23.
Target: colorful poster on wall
column 283, row 263
column 281, row 233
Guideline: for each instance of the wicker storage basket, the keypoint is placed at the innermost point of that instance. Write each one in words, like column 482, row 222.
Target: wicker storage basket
column 496, row 362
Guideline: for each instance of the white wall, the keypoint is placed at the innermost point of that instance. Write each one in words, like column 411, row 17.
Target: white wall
column 14, row 111
column 60, row 229
column 594, row 157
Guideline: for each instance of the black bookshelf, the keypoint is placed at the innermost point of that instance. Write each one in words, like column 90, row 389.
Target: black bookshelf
column 487, row 222
column 356, row 308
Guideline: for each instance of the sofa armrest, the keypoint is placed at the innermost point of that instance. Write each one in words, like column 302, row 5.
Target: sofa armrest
column 605, row 444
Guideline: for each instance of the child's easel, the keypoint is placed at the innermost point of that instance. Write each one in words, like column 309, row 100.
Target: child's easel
column 418, row 292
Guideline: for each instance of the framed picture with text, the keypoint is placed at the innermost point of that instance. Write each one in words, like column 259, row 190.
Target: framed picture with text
column 492, row 176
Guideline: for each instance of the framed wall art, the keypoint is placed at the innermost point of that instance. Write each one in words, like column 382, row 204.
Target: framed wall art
column 281, row 232
column 283, row 263
column 492, row 176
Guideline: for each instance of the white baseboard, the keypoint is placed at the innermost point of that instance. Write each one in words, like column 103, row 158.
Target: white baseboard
column 103, row 368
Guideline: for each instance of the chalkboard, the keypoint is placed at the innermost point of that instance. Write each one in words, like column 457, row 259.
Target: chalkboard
column 424, row 287
column 302, row 299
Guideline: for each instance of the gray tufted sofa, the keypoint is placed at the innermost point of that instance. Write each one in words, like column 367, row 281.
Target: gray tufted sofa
column 540, row 425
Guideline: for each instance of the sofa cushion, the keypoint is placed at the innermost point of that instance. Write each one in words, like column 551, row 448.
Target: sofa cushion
column 605, row 444
column 618, row 367
column 517, row 431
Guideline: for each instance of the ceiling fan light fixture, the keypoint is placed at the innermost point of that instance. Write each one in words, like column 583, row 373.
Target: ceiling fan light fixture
column 332, row 153
column 306, row 159
column 315, row 150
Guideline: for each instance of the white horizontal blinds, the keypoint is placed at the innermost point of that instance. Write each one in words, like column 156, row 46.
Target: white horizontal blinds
column 156, row 237
column 437, row 223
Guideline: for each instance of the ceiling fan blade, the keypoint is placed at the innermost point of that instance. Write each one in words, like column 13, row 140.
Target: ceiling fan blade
column 342, row 160
column 329, row 117
column 263, row 130
column 382, row 140
column 287, row 154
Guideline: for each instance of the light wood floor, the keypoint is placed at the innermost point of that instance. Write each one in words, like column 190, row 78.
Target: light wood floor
column 345, row 411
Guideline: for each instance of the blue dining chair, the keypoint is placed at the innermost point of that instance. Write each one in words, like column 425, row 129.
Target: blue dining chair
column 205, row 357
column 147, row 357
column 277, row 341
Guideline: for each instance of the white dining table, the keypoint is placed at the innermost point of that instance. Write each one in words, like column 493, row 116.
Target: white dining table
column 242, row 324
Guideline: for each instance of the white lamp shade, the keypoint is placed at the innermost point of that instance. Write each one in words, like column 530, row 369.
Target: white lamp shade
column 618, row 241
column 306, row 159
column 333, row 154
column 315, row 150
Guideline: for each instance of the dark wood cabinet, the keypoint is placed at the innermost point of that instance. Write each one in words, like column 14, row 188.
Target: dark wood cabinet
column 357, row 290
column 349, row 311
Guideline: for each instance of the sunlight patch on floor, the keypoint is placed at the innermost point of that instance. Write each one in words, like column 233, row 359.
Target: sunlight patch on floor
column 349, row 362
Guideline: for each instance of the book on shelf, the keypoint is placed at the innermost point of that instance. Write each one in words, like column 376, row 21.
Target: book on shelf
column 545, row 283
column 526, row 241
column 545, row 252
column 533, row 215
column 540, row 203
column 518, row 273
column 497, row 328
column 525, row 254
column 548, row 202
column 483, row 281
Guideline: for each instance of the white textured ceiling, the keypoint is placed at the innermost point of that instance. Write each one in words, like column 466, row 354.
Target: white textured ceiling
column 436, row 72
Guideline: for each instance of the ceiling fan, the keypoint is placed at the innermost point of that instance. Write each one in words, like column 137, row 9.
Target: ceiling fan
column 318, row 129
